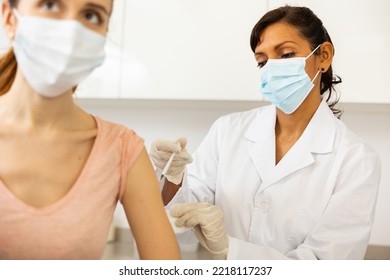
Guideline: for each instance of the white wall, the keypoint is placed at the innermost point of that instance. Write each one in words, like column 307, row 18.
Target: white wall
column 171, row 119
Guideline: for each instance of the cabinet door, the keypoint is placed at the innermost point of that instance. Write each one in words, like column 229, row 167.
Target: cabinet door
column 360, row 31
column 182, row 49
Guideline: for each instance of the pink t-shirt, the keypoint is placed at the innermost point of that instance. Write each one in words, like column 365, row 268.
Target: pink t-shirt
column 76, row 226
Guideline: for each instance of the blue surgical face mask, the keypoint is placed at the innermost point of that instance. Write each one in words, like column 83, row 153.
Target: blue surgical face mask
column 285, row 83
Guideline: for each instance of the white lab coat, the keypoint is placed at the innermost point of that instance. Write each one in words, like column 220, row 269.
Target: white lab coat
column 318, row 202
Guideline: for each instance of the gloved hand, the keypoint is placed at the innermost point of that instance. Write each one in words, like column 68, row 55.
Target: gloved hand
column 207, row 221
column 160, row 152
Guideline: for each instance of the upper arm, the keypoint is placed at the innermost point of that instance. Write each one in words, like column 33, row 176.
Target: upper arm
column 145, row 212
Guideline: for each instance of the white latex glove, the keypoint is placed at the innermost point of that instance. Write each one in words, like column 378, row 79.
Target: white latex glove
column 160, row 152
column 207, row 221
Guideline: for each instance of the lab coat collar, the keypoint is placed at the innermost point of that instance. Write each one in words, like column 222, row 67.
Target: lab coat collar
column 320, row 132
column 261, row 136
column 318, row 138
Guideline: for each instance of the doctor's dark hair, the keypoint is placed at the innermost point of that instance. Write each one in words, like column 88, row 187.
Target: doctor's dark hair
column 311, row 28
column 8, row 65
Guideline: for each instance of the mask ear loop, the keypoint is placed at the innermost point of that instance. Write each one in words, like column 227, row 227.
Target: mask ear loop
column 318, row 72
column 315, row 77
column 313, row 51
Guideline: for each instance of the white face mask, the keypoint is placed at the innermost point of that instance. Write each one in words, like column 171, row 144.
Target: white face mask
column 285, row 83
column 56, row 55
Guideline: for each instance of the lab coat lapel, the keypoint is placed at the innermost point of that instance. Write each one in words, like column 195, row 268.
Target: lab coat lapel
column 318, row 138
column 261, row 141
column 298, row 157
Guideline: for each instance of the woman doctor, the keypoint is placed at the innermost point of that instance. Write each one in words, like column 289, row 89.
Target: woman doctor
column 62, row 170
column 288, row 180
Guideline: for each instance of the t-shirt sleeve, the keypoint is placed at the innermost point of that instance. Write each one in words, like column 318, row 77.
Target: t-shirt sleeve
column 132, row 148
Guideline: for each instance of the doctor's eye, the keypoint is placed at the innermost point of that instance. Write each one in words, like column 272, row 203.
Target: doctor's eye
column 288, row 55
column 260, row 64
column 50, row 6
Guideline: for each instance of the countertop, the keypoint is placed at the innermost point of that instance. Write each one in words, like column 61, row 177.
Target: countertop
column 125, row 250
column 122, row 247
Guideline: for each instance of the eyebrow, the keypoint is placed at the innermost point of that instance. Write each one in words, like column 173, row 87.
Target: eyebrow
column 277, row 46
column 99, row 7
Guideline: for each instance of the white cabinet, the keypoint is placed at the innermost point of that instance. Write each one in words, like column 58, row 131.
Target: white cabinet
column 199, row 49
column 360, row 31
column 180, row 49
